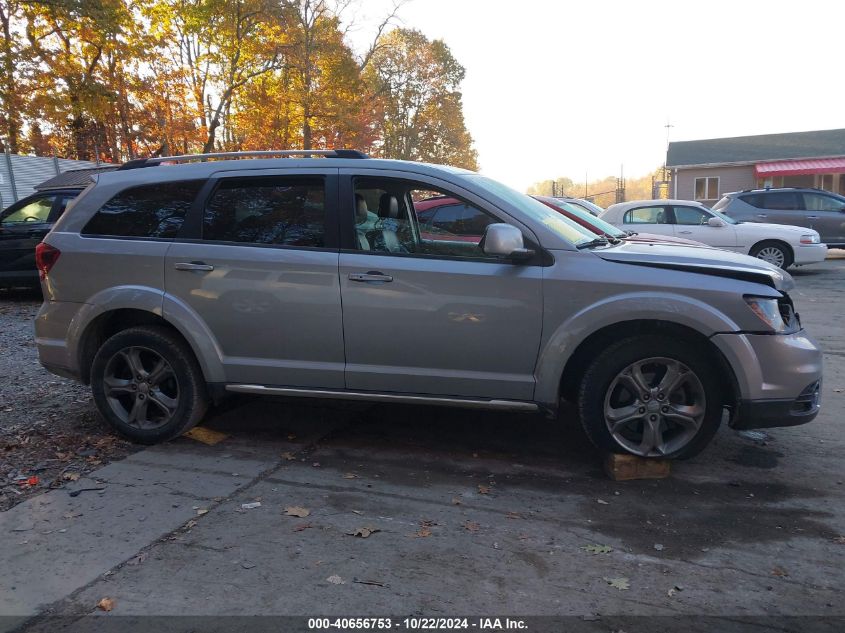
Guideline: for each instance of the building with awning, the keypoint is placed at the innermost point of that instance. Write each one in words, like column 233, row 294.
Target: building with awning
column 706, row 169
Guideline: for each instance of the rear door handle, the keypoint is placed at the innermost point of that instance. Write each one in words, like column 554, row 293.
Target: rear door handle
column 762, row 215
column 201, row 266
column 812, row 217
column 372, row 275
column 685, row 232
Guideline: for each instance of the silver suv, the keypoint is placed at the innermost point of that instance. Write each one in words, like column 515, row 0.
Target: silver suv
column 174, row 281
column 817, row 209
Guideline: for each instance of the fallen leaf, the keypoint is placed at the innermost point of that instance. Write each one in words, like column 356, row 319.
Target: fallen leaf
column 456, row 501
column 471, row 526
column 71, row 515
column 364, row 532
column 251, row 506
column 29, row 481
column 68, row 476
column 291, row 437
column 350, row 476
column 140, row 558
column 674, row 590
column 423, row 532
column 602, row 502
column 658, row 547
column 288, row 456
column 106, row 604
column 623, row 584
column 247, row 565
column 297, row 511
column 336, row 580
column 190, row 524
column 839, row 540
column 483, row 490
column 780, row 572
column 206, row 435
column 304, row 526
column 597, row 549
column 357, row 512
column 202, row 511
column 514, row 515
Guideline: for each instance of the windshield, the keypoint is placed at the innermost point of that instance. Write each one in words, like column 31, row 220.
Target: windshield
column 728, row 219
column 536, row 210
column 601, row 225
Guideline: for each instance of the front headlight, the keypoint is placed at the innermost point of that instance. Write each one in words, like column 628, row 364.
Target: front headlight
column 810, row 238
column 776, row 313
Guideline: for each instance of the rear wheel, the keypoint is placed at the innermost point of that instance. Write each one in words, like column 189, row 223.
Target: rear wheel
column 148, row 385
column 651, row 396
column 776, row 253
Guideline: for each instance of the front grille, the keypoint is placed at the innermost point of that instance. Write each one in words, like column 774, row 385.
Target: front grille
column 808, row 400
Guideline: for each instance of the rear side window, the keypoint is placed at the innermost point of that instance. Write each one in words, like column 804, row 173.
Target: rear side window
column 281, row 210
column 646, row 215
column 155, row 210
column 754, row 199
column 781, row 201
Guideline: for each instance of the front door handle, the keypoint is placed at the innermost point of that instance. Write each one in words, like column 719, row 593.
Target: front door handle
column 201, row 266
column 372, row 275
column 685, row 232
column 762, row 215
column 812, row 217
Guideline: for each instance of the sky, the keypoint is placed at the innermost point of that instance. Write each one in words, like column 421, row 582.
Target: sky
column 569, row 87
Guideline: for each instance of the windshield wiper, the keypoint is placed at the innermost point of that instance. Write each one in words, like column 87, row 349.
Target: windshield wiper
column 599, row 241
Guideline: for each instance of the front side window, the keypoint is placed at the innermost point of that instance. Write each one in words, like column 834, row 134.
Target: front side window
column 646, row 215
column 821, row 202
column 154, row 211
column 34, row 212
column 690, row 216
column 280, row 210
column 707, row 188
column 404, row 217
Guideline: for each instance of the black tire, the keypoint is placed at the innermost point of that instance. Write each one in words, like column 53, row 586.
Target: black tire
column 603, row 381
column 183, row 378
column 773, row 245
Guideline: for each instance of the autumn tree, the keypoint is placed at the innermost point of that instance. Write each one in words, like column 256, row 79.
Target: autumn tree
column 417, row 84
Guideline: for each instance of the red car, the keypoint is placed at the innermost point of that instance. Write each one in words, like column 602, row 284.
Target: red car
column 605, row 229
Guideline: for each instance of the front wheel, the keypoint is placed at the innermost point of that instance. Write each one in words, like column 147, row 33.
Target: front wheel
column 776, row 253
column 651, row 396
column 148, row 385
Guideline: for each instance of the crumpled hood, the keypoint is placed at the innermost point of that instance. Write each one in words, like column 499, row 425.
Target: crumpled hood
column 706, row 261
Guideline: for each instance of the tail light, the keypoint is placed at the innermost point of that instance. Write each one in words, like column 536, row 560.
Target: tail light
column 45, row 257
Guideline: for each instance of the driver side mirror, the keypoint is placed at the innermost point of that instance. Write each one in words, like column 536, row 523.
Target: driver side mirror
column 716, row 222
column 504, row 240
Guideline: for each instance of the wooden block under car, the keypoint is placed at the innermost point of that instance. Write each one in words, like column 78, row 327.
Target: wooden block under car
column 628, row 467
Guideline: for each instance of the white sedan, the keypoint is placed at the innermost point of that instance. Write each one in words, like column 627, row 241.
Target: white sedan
column 777, row 244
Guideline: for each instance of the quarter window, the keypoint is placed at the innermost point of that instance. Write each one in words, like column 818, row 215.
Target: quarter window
column 283, row 210
column 645, row 215
column 707, row 188
column 155, row 210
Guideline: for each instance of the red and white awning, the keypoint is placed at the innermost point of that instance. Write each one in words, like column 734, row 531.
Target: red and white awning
column 801, row 167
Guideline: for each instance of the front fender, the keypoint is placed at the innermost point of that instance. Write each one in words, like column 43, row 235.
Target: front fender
column 564, row 338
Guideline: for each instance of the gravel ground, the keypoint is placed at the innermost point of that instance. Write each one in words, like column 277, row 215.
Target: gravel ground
column 50, row 432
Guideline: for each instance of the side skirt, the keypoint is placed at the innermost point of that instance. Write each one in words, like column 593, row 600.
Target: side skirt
column 467, row 403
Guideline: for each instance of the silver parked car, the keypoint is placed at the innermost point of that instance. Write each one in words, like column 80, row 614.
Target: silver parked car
column 815, row 209
column 173, row 281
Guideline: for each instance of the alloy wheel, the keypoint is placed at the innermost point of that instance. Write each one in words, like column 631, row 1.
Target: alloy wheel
column 654, row 407
column 141, row 387
column 772, row 255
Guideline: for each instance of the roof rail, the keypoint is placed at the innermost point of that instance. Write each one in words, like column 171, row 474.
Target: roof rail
column 185, row 158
